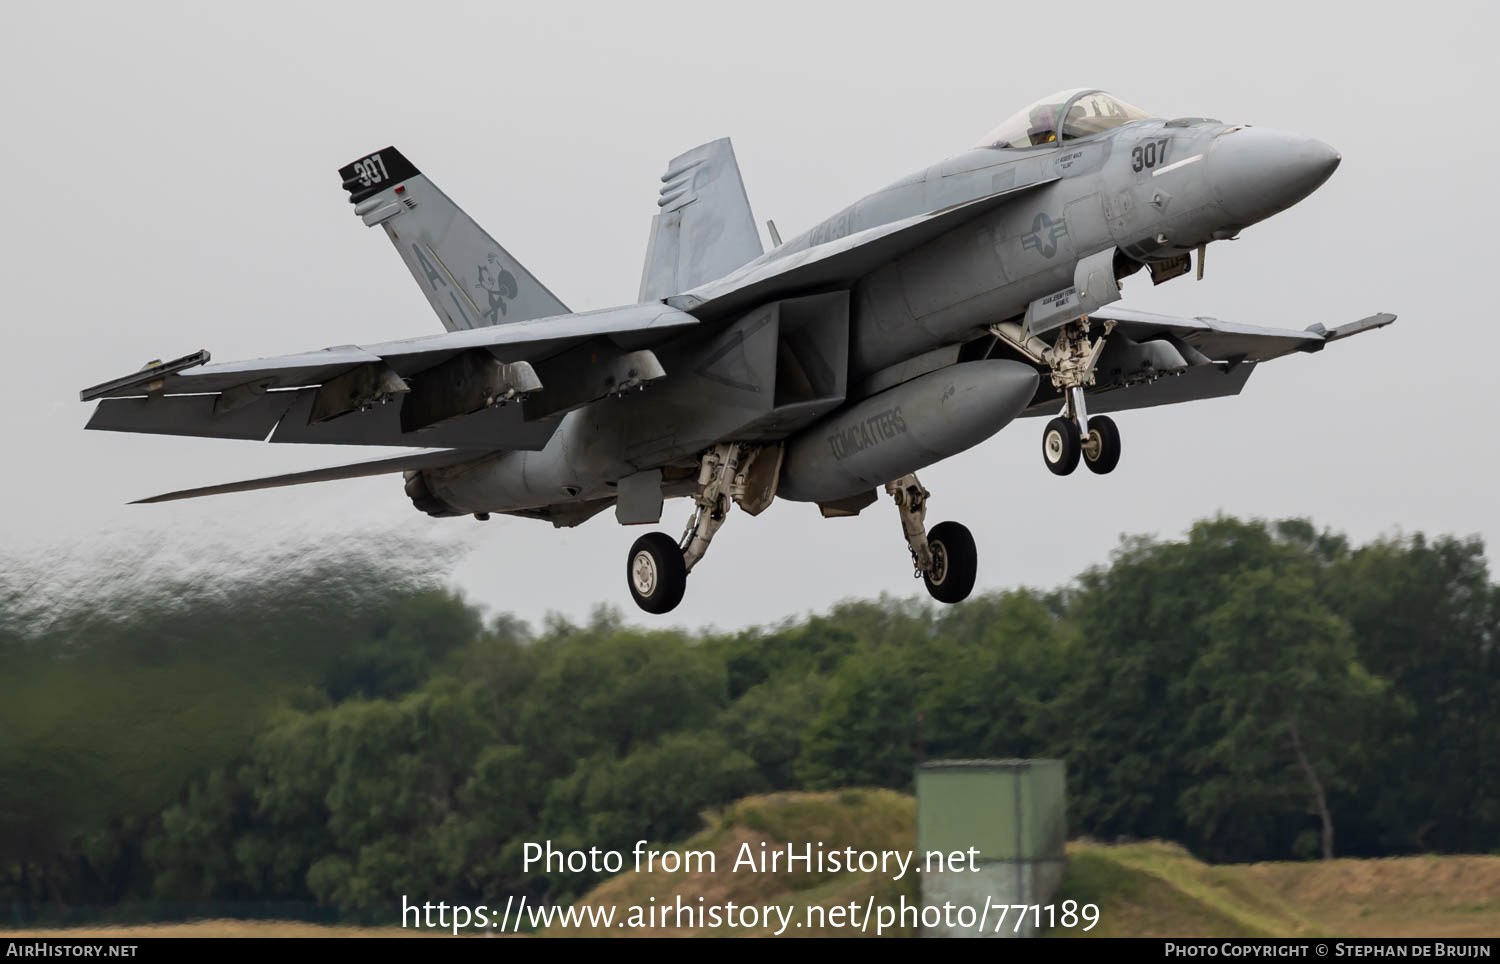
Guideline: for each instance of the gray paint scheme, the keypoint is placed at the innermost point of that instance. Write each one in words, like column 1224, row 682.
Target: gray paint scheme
column 705, row 229
column 905, row 428
column 893, row 296
column 468, row 278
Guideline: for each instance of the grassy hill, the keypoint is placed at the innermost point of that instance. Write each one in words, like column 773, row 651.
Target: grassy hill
column 1142, row 890
column 1160, row 890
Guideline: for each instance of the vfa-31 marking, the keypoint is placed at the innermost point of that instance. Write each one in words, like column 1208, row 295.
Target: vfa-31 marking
column 906, row 328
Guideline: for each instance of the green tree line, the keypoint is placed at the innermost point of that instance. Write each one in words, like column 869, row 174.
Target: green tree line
column 343, row 730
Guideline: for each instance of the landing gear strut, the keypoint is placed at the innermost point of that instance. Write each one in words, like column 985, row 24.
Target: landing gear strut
column 716, row 479
column 657, row 567
column 946, row 557
column 1073, row 434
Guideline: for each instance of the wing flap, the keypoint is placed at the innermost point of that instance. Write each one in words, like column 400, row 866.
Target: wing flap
column 501, row 426
column 1194, row 384
column 191, row 415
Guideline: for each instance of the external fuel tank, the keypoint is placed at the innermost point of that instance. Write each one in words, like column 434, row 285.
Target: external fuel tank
column 904, row 429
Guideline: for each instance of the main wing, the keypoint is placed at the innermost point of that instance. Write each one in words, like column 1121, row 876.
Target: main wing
column 1231, row 341
column 439, row 391
column 1153, row 359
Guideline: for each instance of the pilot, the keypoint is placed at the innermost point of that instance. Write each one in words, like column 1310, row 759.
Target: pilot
column 1042, row 131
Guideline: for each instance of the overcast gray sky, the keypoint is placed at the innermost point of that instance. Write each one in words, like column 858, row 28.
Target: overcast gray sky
column 171, row 185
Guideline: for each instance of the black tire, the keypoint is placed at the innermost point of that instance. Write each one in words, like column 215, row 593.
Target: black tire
column 1060, row 448
column 655, row 573
column 955, row 562
column 1105, row 437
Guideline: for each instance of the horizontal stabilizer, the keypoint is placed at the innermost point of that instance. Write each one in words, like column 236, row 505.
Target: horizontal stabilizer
column 359, row 470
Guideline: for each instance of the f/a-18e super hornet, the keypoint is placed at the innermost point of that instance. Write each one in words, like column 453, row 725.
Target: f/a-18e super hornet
column 908, row 327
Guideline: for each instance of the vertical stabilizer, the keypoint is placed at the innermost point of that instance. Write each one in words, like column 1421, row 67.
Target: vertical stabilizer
column 705, row 229
column 468, row 278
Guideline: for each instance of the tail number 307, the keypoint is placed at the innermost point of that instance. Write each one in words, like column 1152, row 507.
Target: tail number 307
column 371, row 170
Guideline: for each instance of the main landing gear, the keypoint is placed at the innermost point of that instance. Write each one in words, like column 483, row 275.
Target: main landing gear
column 656, row 573
column 657, row 567
column 945, row 558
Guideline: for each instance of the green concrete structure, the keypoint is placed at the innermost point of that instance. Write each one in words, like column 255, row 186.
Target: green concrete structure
column 1013, row 815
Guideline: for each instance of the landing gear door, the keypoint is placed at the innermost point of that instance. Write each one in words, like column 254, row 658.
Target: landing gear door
column 1093, row 287
column 1095, row 279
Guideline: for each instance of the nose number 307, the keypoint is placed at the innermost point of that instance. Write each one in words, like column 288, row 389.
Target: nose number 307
column 1146, row 154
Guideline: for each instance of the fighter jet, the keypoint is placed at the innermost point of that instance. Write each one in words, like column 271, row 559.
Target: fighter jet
column 910, row 326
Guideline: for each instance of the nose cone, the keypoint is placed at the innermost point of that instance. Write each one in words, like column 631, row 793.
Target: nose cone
column 1256, row 171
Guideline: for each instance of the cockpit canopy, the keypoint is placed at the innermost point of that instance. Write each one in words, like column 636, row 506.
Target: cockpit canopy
column 1082, row 112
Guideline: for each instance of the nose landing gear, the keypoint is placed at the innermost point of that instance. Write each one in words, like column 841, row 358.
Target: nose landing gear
column 1072, row 359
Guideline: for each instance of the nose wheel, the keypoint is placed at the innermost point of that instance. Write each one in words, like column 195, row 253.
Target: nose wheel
column 1060, row 445
column 1073, row 437
column 1101, row 449
column 1062, row 449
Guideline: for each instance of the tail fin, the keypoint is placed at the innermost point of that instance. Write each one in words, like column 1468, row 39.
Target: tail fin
column 470, row 280
column 705, row 229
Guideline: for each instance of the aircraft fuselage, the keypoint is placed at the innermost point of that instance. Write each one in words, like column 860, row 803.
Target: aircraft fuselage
column 1140, row 195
